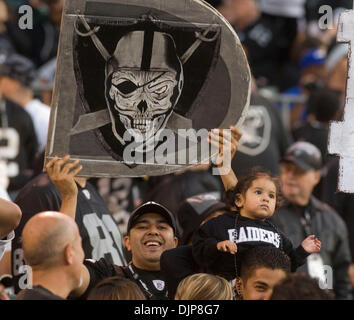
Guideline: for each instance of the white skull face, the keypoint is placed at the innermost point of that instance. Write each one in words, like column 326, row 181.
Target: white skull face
column 143, row 99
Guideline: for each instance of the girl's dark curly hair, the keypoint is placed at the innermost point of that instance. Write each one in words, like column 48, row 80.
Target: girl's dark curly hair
column 246, row 182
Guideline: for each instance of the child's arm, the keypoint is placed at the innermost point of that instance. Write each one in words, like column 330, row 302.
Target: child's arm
column 226, row 141
column 311, row 244
column 297, row 256
column 227, row 246
column 207, row 248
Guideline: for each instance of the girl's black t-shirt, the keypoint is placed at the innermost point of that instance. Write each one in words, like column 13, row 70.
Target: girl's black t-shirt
column 249, row 233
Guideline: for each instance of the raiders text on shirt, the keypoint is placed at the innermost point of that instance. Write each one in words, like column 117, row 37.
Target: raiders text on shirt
column 249, row 234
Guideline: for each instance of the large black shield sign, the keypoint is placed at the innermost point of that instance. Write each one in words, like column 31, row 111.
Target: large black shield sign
column 140, row 82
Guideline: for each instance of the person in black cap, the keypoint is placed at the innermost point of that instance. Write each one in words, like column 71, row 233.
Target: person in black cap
column 151, row 230
column 302, row 214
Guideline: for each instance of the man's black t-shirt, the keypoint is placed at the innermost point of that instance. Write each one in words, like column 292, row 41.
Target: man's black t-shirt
column 100, row 234
column 151, row 283
column 37, row 293
column 249, row 233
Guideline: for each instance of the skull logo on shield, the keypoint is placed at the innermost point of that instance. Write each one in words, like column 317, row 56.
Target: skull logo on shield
column 139, row 82
column 144, row 80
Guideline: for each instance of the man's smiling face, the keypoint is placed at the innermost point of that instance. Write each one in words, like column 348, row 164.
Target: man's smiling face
column 148, row 238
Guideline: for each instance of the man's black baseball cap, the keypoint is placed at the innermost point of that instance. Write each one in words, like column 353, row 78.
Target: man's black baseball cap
column 151, row 207
column 305, row 155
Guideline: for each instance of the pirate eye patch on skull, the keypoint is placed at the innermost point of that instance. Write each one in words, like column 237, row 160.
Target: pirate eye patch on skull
column 127, row 87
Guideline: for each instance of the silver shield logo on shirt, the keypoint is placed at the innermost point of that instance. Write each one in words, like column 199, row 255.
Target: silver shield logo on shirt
column 159, row 284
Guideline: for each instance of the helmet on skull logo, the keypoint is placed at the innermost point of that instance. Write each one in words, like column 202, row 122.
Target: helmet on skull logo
column 144, row 80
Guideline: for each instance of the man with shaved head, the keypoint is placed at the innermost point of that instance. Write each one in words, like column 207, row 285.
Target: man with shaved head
column 52, row 248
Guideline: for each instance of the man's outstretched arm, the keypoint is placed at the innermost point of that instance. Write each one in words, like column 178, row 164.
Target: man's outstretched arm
column 10, row 216
column 62, row 173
